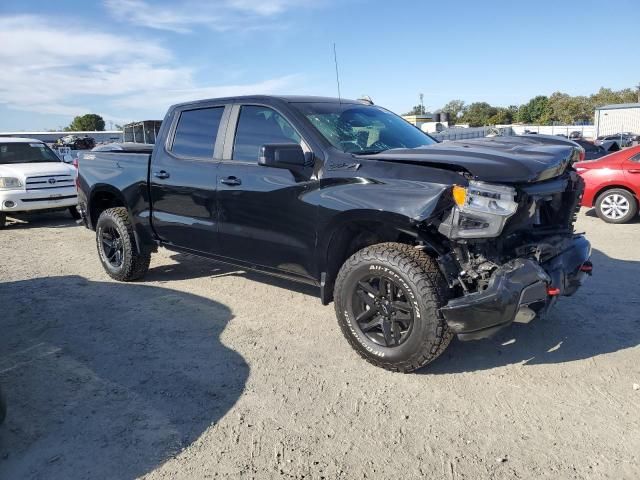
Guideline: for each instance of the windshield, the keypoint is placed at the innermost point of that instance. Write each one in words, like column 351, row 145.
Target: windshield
column 35, row 152
column 362, row 129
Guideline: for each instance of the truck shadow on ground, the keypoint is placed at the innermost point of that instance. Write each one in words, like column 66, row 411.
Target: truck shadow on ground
column 108, row 380
column 55, row 219
column 602, row 317
column 189, row 266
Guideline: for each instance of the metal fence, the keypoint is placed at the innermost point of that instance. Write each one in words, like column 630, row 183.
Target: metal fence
column 586, row 131
column 472, row 132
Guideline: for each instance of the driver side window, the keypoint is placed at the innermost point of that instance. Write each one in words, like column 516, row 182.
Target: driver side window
column 258, row 126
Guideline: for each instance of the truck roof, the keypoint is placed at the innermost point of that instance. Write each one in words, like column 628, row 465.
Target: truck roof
column 19, row 140
column 282, row 98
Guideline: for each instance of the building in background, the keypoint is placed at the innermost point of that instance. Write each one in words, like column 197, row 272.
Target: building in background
column 622, row 117
column 418, row 120
column 429, row 122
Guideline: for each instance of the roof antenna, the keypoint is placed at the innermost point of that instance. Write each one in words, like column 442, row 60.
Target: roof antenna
column 335, row 60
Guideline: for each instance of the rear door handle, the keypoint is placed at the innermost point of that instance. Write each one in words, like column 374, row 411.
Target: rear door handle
column 162, row 175
column 634, row 170
column 231, row 181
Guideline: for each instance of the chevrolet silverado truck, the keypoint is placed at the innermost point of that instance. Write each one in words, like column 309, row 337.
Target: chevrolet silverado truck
column 33, row 178
column 413, row 240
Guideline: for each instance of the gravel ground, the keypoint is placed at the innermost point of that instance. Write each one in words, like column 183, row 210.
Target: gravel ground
column 204, row 371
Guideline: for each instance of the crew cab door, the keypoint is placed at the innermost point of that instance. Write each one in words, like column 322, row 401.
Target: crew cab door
column 265, row 220
column 182, row 179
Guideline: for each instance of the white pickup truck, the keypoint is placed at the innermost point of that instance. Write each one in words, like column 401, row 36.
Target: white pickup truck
column 34, row 178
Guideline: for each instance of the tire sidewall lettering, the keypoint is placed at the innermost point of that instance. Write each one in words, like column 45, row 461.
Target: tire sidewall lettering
column 361, row 340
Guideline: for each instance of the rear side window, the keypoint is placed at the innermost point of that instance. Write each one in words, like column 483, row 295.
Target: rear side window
column 259, row 126
column 196, row 132
column 635, row 158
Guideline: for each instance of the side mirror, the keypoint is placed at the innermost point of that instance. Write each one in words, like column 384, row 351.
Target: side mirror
column 67, row 158
column 284, row 155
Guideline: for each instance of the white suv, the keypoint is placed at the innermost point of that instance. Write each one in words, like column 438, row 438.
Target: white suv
column 33, row 177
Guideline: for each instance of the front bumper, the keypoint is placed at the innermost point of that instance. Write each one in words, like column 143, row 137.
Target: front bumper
column 518, row 291
column 27, row 201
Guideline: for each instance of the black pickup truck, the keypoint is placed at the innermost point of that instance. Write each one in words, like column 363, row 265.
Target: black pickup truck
column 412, row 239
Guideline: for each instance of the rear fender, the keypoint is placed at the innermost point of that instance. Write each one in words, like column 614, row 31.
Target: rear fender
column 141, row 229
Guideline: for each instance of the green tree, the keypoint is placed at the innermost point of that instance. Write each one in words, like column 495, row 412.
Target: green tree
column 523, row 115
column 503, row 116
column 539, row 110
column 606, row 96
column 417, row 110
column 455, row 108
column 567, row 109
column 88, row 122
column 478, row 114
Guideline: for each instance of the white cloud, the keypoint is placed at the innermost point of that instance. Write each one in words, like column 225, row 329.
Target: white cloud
column 25, row 38
column 76, row 70
column 162, row 98
column 221, row 15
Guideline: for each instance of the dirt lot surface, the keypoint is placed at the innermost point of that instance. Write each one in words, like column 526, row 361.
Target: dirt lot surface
column 203, row 371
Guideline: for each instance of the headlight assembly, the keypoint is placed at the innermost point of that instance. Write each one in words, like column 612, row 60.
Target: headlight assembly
column 481, row 210
column 10, row 183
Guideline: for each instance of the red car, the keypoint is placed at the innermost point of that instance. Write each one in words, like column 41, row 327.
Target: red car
column 612, row 185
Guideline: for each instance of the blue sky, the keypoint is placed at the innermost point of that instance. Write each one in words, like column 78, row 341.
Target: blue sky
column 130, row 59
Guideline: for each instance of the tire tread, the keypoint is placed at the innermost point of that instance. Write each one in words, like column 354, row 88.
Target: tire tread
column 136, row 264
column 425, row 274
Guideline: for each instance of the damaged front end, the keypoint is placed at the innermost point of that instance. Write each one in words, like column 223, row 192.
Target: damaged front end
column 511, row 251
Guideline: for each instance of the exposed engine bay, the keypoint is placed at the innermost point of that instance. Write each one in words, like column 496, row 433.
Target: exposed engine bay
column 540, row 227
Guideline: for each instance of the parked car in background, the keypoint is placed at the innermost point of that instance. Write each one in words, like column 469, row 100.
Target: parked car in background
column 591, row 150
column 76, row 143
column 575, row 135
column 34, row 178
column 612, row 185
column 621, row 140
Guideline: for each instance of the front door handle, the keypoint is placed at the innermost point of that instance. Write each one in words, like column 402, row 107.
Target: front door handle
column 231, row 181
column 162, row 175
column 634, row 170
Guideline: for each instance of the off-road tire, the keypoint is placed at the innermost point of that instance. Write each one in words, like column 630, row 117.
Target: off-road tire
column 631, row 213
column 75, row 214
column 134, row 264
column 430, row 334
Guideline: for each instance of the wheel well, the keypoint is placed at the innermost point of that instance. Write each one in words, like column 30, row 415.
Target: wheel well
column 353, row 237
column 612, row 187
column 100, row 201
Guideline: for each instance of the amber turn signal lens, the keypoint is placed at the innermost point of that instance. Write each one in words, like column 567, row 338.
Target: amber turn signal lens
column 459, row 195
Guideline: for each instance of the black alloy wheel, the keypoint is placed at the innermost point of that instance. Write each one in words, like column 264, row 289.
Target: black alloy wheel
column 117, row 248
column 382, row 310
column 113, row 246
column 387, row 299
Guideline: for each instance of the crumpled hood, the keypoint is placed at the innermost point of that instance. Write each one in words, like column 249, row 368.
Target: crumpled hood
column 516, row 159
column 24, row 170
